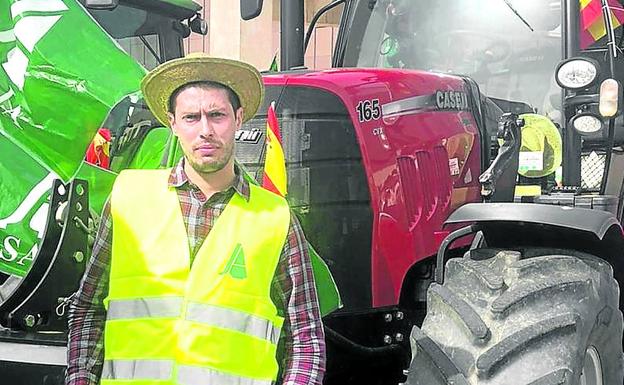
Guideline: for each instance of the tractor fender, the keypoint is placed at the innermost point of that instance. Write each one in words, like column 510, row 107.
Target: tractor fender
column 596, row 222
column 536, row 225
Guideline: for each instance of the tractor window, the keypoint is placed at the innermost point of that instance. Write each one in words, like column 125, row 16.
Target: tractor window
column 485, row 40
column 140, row 51
column 139, row 32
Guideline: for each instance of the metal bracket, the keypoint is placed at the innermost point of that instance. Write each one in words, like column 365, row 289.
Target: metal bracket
column 58, row 266
column 509, row 130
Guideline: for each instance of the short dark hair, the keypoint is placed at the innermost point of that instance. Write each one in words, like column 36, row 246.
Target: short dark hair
column 234, row 99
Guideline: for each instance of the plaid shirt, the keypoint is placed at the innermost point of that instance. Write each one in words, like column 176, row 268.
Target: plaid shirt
column 293, row 291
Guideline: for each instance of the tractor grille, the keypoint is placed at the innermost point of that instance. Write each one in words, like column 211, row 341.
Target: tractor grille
column 425, row 166
column 411, row 185
column 426, row 183
column 327, row 184
column 592, row 168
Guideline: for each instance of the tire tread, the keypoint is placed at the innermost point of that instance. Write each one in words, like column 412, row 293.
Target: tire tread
column 469, row 317
column 525, row 291
column 520, row 339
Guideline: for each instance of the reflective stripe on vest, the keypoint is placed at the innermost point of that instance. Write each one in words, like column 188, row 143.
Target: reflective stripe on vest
column 234, row 320
column 196, row 312
column 193, row 375
column 137, row 369
column 161, row 307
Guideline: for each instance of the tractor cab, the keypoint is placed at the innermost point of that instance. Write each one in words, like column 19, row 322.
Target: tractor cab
column 515, row 52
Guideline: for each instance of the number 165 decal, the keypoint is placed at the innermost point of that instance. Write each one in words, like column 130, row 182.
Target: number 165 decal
column 368, row 110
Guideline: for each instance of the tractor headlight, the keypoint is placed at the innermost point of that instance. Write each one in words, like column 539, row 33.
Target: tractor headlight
column 586, row 123
column 577, row 73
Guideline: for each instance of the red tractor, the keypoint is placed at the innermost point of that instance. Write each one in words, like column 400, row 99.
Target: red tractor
column 389, row 157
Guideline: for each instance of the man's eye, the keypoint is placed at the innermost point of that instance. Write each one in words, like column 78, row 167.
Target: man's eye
column 216, row 114
column 189, row 117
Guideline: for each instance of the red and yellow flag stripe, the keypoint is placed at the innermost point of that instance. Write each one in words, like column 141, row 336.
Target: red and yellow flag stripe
column 274, row 178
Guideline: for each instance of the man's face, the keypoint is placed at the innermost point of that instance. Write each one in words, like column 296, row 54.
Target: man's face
column 205, row 124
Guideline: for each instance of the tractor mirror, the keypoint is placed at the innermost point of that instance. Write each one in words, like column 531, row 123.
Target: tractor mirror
column 101, row 4
column 250, row 9
column 198, row 25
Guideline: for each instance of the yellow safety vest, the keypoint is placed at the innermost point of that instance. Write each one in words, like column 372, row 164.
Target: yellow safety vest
column 214, row 324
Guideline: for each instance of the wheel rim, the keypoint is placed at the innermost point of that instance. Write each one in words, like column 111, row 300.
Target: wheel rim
column 592, row 368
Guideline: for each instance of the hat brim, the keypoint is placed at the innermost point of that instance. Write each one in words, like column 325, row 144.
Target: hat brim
column 242, row 78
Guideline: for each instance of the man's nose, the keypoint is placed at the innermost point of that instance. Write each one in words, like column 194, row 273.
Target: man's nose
column 206, row 126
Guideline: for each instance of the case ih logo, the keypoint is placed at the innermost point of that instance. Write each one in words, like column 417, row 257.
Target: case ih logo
column 248, row 136
column 451, row 100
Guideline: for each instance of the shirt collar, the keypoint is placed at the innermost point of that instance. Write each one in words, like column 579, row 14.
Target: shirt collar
column 178, row 178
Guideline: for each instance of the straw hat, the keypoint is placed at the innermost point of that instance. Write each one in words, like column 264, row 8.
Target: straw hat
column 162, row 81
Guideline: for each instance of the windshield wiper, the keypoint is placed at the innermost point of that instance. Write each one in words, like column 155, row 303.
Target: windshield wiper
column 519, row 16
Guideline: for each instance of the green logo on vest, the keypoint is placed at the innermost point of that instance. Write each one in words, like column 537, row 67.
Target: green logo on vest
column 236, row 264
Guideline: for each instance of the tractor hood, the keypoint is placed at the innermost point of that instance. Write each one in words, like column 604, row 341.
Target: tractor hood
column 351, row 139
column 398, row 92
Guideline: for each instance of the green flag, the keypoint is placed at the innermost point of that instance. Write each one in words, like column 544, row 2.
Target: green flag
column 24, row 189
column 326, row 288
column 24, row 193
column 60, row 74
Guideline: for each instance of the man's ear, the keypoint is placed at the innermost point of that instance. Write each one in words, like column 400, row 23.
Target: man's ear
column 239, row 117
column 172, row 122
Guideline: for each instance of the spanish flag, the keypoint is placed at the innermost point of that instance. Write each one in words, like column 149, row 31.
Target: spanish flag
column 274, row 178
column 592, row 23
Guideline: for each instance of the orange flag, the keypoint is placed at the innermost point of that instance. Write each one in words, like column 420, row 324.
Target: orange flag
column 274, row 178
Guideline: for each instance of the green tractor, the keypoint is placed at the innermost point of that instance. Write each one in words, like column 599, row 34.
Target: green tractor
column 47, row 227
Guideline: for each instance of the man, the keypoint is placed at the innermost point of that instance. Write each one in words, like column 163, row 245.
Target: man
column 200, row 272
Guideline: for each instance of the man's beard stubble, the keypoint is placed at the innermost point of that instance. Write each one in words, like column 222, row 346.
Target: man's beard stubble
column 213, row 166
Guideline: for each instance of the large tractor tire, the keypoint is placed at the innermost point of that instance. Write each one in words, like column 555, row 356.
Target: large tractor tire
column 540, row 317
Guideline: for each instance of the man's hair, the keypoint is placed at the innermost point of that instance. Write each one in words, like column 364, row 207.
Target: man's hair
column 205, row 84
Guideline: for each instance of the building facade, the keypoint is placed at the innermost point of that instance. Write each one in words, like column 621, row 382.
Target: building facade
column 257, row 41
